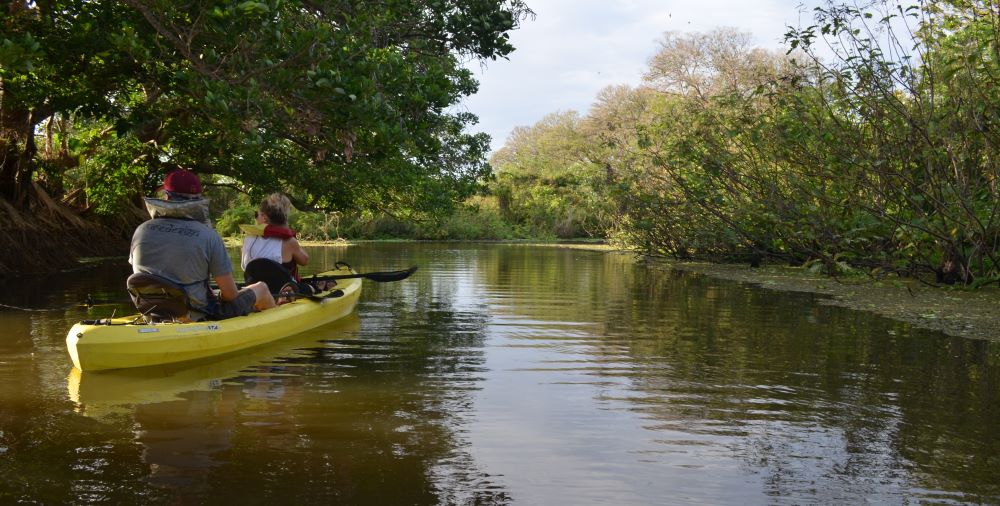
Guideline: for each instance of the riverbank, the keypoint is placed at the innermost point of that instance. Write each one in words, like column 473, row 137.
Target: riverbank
column 952, row 310
column 46, row 236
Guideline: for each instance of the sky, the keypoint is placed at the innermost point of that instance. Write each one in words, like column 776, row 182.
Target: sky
column 574, row 48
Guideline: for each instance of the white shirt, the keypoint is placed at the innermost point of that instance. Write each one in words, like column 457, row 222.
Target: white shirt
column 255, row 247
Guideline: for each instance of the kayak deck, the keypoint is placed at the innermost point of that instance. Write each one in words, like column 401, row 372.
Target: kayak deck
column 121, row 343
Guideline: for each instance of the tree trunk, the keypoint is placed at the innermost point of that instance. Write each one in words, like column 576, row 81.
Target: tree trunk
column 17, row 155
column 954, row 267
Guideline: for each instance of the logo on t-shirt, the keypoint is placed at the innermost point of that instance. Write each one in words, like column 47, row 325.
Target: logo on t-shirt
column 170, row 228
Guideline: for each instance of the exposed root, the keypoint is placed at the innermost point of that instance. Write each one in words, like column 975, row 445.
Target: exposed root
column 50, row 236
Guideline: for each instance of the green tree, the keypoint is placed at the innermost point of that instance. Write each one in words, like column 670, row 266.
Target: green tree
column 917, row 87
column 702, row 189
column 344, row 104
column 543, row 182
column 616, row 131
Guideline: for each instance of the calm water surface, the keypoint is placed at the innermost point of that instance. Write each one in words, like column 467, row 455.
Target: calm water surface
column 508, row 374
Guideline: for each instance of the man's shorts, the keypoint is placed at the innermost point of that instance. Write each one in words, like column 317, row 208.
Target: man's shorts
column 240, row 306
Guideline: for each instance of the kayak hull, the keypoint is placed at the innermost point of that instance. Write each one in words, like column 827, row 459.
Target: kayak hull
column 119, row 343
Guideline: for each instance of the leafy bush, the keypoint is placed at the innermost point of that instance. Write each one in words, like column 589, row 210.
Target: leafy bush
column 228, row 225
column 480, row 219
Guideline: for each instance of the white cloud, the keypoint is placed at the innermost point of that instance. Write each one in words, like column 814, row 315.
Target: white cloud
column 574, row 48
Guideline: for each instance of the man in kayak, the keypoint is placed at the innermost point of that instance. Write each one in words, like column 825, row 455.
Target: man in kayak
column 180, row 245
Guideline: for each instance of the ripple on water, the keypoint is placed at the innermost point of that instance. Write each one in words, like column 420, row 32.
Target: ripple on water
column 511, row 374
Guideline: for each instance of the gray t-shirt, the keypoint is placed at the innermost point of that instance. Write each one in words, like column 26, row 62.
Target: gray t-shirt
column 186, row 252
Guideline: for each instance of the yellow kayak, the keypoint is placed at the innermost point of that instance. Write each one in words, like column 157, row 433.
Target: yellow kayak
column 109, row 393
column 121, row 342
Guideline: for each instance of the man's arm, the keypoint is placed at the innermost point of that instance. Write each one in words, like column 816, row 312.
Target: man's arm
column 227, row 286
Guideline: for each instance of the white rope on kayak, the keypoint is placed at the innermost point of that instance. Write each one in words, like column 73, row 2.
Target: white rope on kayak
column 87, row 304
column 30, row 309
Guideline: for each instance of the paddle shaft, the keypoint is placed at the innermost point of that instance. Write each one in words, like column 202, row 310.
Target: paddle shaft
column 381, row 277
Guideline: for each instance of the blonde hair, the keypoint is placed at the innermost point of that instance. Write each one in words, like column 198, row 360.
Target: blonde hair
column 276, row 207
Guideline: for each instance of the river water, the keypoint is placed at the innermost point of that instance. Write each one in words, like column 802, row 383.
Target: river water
column 503, row 374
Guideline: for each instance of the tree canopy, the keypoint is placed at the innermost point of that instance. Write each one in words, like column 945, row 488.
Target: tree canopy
column 342, row 103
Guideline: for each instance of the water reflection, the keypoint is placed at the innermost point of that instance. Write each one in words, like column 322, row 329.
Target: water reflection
column 724, row 393
column 102, row 394
column 513, row 374
column 349, row 415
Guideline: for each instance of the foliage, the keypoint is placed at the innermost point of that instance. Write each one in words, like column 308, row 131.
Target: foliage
column 342, row 104
column 479, row 219
column 545, row 184
column 881, row 158
column 549, row 148
column 228, row 224
column 923, row 161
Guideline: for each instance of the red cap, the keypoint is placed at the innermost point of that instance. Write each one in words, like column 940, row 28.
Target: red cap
column 182, row 181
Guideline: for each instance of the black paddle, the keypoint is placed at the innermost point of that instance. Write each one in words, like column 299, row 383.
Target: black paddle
column 381, row 277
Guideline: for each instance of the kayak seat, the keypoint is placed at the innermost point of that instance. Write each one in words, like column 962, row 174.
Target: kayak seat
column 268, row 271
column 156, row 297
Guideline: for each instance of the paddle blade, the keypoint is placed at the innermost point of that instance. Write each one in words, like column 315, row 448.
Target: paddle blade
column 383, row 277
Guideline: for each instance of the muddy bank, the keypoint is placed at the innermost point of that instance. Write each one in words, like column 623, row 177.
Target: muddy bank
column 49, row 236
column 954, row 311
